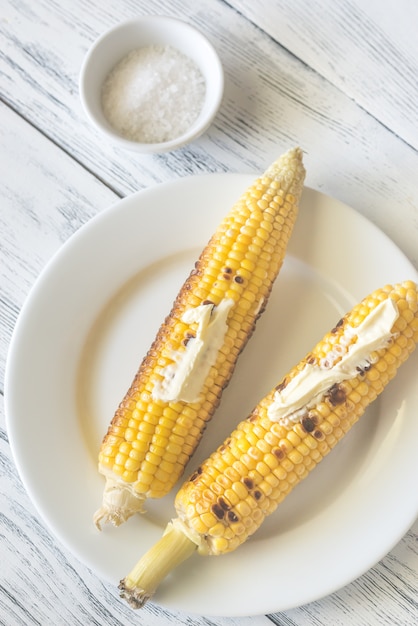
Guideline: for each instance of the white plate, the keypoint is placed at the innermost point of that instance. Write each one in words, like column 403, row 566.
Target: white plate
column 78, row 342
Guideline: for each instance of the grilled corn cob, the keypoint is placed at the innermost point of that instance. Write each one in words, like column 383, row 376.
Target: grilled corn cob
column 178, row 386
column 287, row 434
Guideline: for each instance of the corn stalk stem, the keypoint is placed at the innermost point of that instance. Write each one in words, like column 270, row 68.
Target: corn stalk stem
column 140, row 584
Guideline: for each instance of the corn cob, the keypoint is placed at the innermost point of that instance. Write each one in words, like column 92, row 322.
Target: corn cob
column 178, row 386
column 287, row 434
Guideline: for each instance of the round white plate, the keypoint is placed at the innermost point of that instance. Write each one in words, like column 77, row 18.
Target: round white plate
column 81, row 335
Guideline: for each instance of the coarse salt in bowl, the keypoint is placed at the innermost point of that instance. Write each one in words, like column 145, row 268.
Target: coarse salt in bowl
column 152, row 84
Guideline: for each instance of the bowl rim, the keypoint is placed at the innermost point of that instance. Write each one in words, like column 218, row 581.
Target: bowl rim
column 198, row 127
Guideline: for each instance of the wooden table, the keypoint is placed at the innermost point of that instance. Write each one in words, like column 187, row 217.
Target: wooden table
column 338, row 78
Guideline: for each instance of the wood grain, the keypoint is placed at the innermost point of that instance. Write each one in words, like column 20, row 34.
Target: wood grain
column 45, row 208
column 372, row 169
column 295, row 74
column 363, row 48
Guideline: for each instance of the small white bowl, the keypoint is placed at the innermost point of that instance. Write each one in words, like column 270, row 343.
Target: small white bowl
column 115, row 44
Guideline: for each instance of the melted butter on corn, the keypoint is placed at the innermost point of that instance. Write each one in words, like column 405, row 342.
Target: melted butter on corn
column 149, row 441
column 183, row 380
column 227, row 497
column 352, row 354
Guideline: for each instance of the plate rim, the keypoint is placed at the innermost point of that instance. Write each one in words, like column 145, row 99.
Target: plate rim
column 49, row 267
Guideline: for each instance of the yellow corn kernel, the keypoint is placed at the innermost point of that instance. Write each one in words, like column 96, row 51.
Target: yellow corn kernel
column 285, row 454
column 239, row 263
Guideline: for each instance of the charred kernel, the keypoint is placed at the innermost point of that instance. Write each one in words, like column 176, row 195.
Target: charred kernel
column 337, row 326
column 232, row 517
column 208, row 302
column 318, row 434
column 248, row 482
column 257, row 494
column 364, row 369
column 196, row 474
column 308, row 424
column 238, row 279
column 218, row 510
column 278, row 452
column 223, row 504
column 336, row 395
column 310, row 359
column 281, row 386
column 187, row 338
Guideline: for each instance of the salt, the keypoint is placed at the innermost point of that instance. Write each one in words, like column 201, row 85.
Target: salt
column 154, row 94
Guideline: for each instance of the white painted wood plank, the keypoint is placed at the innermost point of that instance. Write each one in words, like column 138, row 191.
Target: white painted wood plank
column 69, row 592
column 272, row 101
column 46, row 197
column 40, row 582
column 369, row 50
